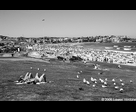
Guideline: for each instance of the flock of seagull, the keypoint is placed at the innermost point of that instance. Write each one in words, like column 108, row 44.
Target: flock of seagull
column 104, row 83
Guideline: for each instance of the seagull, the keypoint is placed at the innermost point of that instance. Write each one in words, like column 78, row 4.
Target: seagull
column 106, row 79
column 102, row 81
column 121, row 90
column 122, row 84
column 92, row 79
column 95, row 79
column 120, row 80
column 77, row 76
column 105, row 83
column 84, row 80
column 93, row 85
column 114, row 83
column 87, row 82
column 116, row 87
column 31, row 67
column 103, row 86
column 44, row 69
column 38, row 69
column 113, row 80
column 130, row 81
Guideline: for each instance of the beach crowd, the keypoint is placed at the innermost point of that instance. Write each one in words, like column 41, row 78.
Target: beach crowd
column 87, row 54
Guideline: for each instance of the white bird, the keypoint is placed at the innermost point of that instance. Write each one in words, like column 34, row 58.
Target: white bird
column 130, row 81
column 120, row 80
column 114, row 83
column 78, row 72
column 122, row 84
column 121, row 90
column 105, row 83
column 106, row 79
column 113, row 80
column 84, row 80
column 93, row 85
column 87, row 82
column 44, row 69
column 95, row 79
column 102, row 81
column 116, row 87
column 31, row 67
column 38, row 69
column 103, row 86
column 92, row 79
column 77, row 76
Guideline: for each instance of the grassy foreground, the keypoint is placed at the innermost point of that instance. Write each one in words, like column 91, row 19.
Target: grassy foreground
column 64, row 86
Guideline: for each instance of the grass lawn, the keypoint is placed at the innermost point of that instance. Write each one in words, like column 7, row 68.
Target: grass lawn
column 64, row 86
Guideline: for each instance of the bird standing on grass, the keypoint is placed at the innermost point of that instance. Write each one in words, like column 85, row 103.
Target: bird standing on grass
column 116, row 87
column 106, row 79
column 92, row 79
column 93, row 85
column 44, row 70
column 122, row 84
column 114, row 83
column 121, row 90
column 130, row 81
column 87, row 82
column 77, row 76
column 103, row 86
column 120, row 80
column 84, row 80
column 113, row 80
column 105, row 83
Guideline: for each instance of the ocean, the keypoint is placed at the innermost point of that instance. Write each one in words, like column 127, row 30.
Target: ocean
column 125, row 46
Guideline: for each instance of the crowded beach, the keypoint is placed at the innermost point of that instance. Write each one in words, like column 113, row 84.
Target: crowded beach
column 87, row 54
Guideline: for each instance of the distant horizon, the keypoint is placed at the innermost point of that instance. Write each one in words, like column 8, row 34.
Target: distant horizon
column 67, row 23
column 67, row 36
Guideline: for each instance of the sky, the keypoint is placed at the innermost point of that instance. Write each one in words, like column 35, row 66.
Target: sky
column 67, row 23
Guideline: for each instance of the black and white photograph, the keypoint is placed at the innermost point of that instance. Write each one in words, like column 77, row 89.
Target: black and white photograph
column 67, row 55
